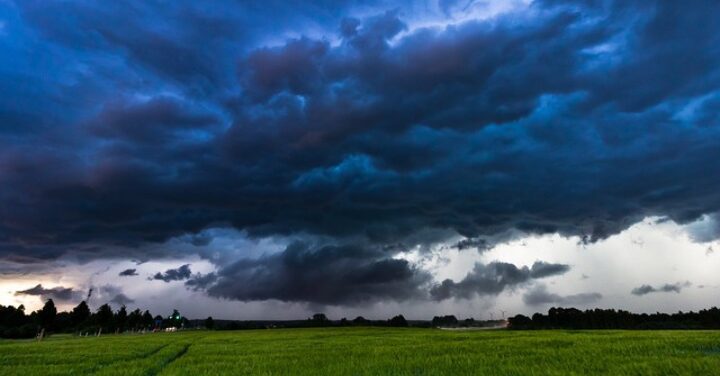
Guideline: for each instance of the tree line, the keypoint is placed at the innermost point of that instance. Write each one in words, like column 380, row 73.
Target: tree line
column 571, row 318
column 15, row 323
column 321, row 320
column 318, row 320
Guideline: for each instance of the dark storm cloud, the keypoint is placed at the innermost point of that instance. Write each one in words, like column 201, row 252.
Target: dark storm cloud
column 180, row 44
column 476, row 243
column 200, row 240
column 124, row 125
column 128, row 273
column 113, row 295
column 352, row 274
column 323, row 275
column 541, row 269
column 121, row 300
column 158, row 120
column 62, row 294
column 540, row 295
column 181, row 273
column 493, row 278
column 201, row 281
column 647, row 289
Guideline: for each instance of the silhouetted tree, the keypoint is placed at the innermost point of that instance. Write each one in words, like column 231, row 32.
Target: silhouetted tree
column 445, row 321
column 104, row 317
column 11, row 316
column 134, row 320
column 147, row 320
column 63, row 322
column 520, row 322
column 174, row 320
column 398, row 321
column 80, row 314
column 47, row 315
column 320, row 318
column 209, row 323
column 158, row 322
column 121, row 319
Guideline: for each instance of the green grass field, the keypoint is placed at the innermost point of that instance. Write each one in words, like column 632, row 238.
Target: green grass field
column 370, row 351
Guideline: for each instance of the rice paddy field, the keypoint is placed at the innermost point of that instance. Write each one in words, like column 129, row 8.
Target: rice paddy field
column 369, row 351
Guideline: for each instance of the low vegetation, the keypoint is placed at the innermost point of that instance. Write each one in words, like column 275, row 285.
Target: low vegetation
column 571, row 318
column 369, row 351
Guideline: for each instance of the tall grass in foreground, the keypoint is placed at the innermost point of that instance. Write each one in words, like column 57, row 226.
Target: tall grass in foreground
column 370, row 351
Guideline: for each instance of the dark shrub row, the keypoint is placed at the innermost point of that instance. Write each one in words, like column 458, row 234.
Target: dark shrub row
column 571, row 318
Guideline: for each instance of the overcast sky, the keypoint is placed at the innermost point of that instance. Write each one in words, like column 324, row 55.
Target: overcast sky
column 270, row 160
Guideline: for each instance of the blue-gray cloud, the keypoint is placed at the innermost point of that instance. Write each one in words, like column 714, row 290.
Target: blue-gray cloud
column 539, row 295
column 128, row 273
column 668, row 287
column 113, row 295
column 121, row 300
column 329, row 274
column 178, row 274
column 494, row 278
column 62, row 294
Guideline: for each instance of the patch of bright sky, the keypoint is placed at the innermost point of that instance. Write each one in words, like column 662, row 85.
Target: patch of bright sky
column 647, row 253
column 650, row 252
column 688, row 113
column 432, row 15
column 82, row 277
column 417, row 15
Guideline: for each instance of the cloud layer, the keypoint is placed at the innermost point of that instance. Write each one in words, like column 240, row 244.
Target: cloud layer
column 180, row 273
column 325, row 275
column 128, row 273
column 493, row 278
column 348, row 122
column 647, row 289
column 61, row 294
column 539, row 295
